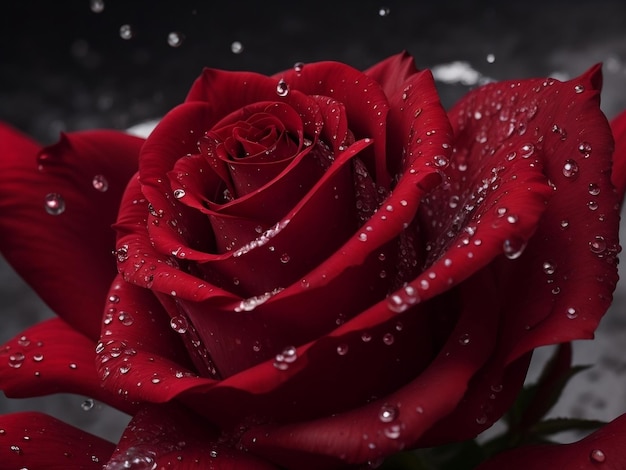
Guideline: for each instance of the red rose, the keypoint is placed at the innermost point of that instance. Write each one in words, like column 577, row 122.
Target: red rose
column 316, row 269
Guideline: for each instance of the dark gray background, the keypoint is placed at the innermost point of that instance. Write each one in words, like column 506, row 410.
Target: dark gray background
column 65, row 67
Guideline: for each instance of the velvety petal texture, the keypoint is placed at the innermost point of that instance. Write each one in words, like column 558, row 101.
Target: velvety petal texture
column 604, row 449
column 57, row 205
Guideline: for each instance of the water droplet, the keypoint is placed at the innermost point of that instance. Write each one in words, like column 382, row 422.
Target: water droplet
column 513, row 248
column 125, row 318
column 491, row 58
column 571, row 313
column 179, row 324
column 579, row 88
column 383, row 11
column 597, row 245
column 87, row 405
column 549, row 267
column 366, row 337
column 282, row 89
column 284, row 258
column 388, row 339
column 54, row 204
column 134, row 458
column 114, row 299
column 100, row 183
column 236, row 47
column 122, row 253
column 592, row 205
column 179, row 193
column 597, row 455
column 16, row 449
column 441, row 161
column 594, row 189
column 585, row 149
column 97, row 6
column 126, row 31
column 564, row 223
column 570, row 169
column 16, row 360
column 155, row 380
column 512, row 218
column 38, row 357
column 298, row 66
column 481, row 419
column 387, row 413
column 342, row 349
column 454, row 201
column 175, row 39
column 286, row 357
column 527, row 150
column 464, row 339
column 393, row 431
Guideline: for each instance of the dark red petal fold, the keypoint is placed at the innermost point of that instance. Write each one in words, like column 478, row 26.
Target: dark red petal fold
column 50, row 358
column 36, row 441
column 169, row 436
column 393, row 72
column 604, row 449
column 81, row 178
column 618, row 176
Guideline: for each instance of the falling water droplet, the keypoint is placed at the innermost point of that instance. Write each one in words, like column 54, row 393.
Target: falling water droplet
column 54, row 204
column 100, row 183
column 383, row 11
column 126, row 31
column 87, row 405
column 342, row 349
column 491, row 58
column 236, row 47
column 175, row 39
column 97, row 6
column 282, row 89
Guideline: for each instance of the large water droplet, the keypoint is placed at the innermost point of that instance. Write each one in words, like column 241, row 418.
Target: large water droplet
column 282, row 89
column 570, row 169
column 16, row 359
column 387, row 413
column 100, row 183
column 97, row 6
column 122, row 253
column 125, row 318
column 596, row 455
column 126, row 31
column 236, row 47
column 597, row 245
column 179, row 324
column 513, row 248
column 54, row 204
column 175, row 39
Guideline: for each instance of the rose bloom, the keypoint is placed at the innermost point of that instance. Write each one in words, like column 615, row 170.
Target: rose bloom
column 312, row 270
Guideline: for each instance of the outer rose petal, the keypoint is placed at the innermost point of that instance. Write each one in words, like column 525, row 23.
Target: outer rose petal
column 393, row 72
column 169, row 437
column 618, row 177
column 50, row 358
column 39, row 442
column 604, row 449
column 66, row 258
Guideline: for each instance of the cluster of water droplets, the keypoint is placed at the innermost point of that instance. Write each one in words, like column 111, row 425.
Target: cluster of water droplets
column 285, row 358
column 134, row 458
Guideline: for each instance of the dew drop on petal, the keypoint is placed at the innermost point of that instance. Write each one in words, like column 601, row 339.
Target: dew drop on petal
column 126, row 31
column 387, row 413
column 579, row 88
column 388, row 339
column 179, row 193
column 298, row 66
column 16, row 359
column 592, row 205
column 236, row 47
column 570, row 169
column 393, row 431
column 125, row 318
column 54, row 204
column 38, row 357
column 114, row 299
column 571, row 313
column 100, row 183
column 585, row 149
column 175, row 39
column 513, row 249
column 549, row 267
column 179, row 324
column 282, row 89
column 342, row 349
column 597, row 455
column 597, row 245
column 284, row 258
column 366, row 337
column 464, row 340
column 594, row 189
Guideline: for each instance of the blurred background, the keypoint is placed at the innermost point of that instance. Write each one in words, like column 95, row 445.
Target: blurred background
column 82, row 64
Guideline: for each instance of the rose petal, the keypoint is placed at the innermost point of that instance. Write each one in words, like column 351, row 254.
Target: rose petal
column 69, row 252
column 364, row 101
column 169, row 436
column 397, row 420
column 602, row 449
column 393, row 72
column 49, row 358
column 139, row 356
column 40, row 442
column 618, row 176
